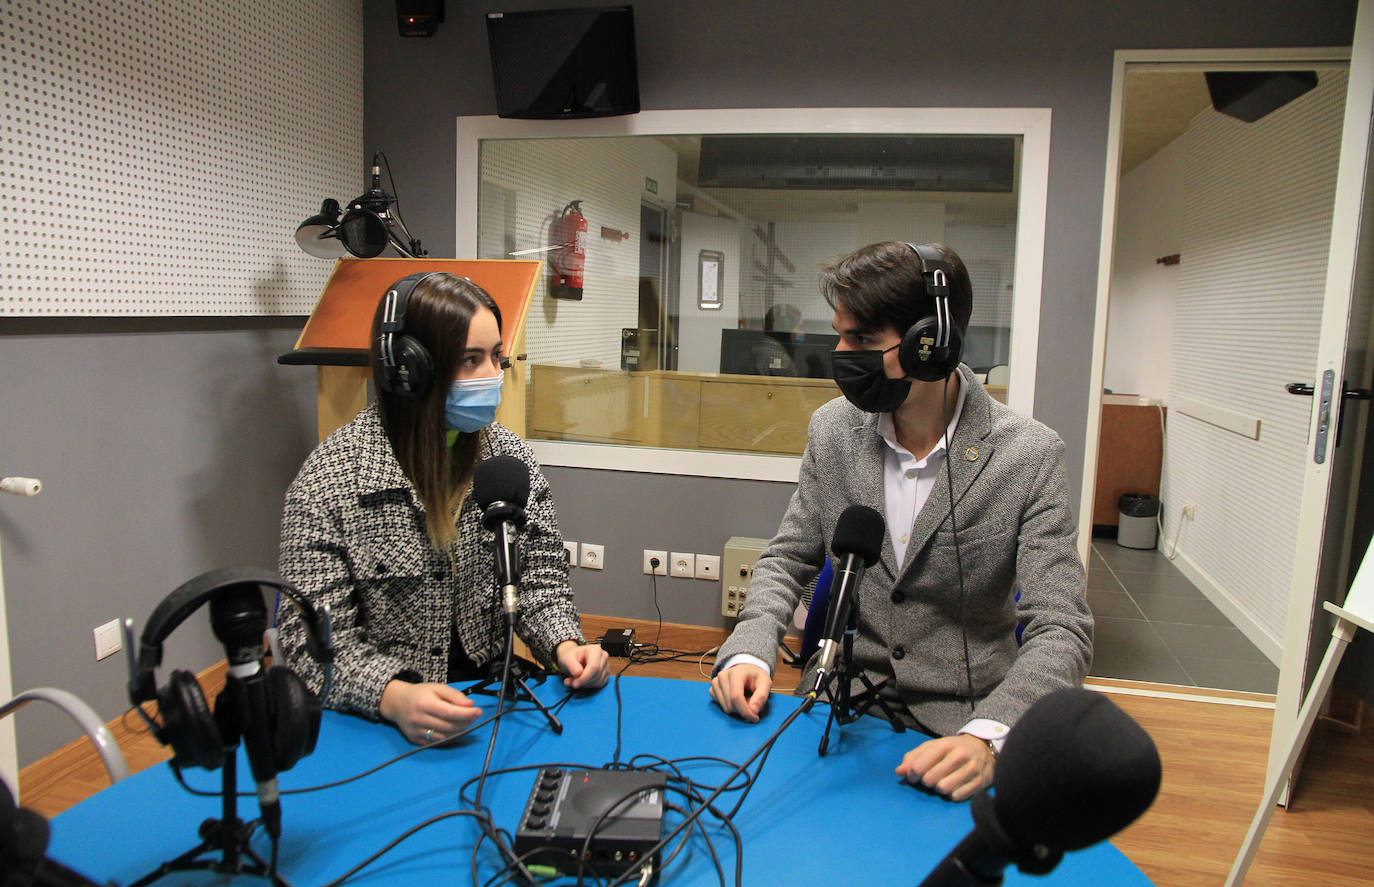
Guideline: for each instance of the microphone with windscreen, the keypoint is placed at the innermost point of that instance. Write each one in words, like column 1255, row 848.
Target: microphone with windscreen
column 24, row 846
column 858, row 540
column 1074, row 771
column 501, row 486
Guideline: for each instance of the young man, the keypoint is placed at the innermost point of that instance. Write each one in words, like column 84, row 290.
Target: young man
column 937, row 614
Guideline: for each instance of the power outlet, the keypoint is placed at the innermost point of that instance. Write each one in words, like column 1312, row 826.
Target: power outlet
column 593, row 556
column 107, row 640
column 708, row 566
column 570, row 552
column 683, row 564
column 1188, row 511
column 650, row 556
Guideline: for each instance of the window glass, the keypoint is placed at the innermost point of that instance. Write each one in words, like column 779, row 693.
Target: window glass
column 679, row 305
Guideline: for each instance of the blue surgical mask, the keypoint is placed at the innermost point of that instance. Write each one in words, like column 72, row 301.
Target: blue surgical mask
column 471, row 403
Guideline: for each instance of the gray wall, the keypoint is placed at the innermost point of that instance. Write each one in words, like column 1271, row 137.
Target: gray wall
column 810, row 53
column 165, row 447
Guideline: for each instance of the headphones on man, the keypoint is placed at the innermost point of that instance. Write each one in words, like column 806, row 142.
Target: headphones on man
column 931, row 347
column 188, row 726
column 407, row 367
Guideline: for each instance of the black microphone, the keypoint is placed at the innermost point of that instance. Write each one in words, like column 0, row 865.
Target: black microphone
column 501, row 486
column 24, row 846
column 858, row 540
column 1074, row 771
column 238, row 618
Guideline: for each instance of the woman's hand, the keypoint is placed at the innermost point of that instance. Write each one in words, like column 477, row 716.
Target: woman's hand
column 584, row 666
column 427, row 713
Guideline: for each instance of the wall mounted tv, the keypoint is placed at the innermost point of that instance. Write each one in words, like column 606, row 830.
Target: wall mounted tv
column 563, row 63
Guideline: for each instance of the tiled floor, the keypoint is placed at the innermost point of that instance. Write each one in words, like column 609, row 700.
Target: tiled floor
column 1153, row 625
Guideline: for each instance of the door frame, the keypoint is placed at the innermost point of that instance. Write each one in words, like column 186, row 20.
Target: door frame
column 1294, row 652
column 1180, row 60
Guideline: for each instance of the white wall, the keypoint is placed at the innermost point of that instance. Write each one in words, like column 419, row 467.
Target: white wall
column 1140, row 322
column 1256, row 231
column 699, row 329
column 525, row 183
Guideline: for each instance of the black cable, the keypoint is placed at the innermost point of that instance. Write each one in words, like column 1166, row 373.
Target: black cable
column 403, row 836
column 413, row 244
column 500, row 704
column 767, row 745
column 658, row 634
column 442, row 742
column 958, row 559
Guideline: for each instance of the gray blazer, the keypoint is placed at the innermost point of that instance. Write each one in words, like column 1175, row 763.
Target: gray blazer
column 1014, row 527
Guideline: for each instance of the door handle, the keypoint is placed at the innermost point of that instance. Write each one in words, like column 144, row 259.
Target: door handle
column 1347, row 393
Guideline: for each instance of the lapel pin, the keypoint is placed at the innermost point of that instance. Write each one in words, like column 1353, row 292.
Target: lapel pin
column 971, row 454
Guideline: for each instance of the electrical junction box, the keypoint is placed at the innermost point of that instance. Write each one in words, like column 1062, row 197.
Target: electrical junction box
column 736, row 569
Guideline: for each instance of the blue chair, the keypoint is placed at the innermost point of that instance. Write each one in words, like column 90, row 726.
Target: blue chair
column 815, row 613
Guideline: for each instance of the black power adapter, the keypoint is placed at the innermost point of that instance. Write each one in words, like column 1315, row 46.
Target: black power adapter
column 618, row 642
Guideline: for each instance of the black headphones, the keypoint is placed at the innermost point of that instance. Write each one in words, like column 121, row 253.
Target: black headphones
column 932, row 346
column 188, row 726
column 407, row 367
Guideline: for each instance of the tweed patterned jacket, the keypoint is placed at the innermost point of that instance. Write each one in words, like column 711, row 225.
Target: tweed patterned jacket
column 353, row 536
column 1014, row 529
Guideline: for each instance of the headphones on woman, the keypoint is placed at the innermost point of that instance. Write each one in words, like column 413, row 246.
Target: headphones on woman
column 188, row 726
column 407, row 367
column 931, row 347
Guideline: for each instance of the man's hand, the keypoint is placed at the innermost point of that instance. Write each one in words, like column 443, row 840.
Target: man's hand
column 427, row 712
column 742, row 690
column 954, row 766
column 585, row 667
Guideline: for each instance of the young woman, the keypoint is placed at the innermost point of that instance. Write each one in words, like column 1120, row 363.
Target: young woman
column 380, row 525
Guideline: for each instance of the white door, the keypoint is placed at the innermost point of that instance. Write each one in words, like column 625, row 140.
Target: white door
column 1332, row 473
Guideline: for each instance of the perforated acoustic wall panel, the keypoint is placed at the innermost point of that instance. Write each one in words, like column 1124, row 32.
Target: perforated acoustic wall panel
column 160, row 154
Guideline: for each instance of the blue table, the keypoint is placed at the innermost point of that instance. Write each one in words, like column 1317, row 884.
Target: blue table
column 808, row 820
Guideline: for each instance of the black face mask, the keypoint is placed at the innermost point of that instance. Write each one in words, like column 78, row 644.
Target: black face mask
column 863, row 381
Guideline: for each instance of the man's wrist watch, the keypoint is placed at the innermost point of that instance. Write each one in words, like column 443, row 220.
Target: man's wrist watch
column 992, row 747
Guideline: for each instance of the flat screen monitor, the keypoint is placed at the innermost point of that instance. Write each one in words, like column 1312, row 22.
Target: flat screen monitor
column 564, row 63
column 760, row 353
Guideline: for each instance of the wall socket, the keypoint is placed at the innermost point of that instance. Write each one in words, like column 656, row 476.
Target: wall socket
column 570, row 550
column 593, row 556
column 661, row 556
column 708, row 566
column 683, row 564
column 1188, row 511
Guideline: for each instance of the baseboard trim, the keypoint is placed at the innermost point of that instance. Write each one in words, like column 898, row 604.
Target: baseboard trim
column 76, row 766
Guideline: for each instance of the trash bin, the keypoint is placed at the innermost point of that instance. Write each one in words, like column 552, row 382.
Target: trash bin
column 1136, row 526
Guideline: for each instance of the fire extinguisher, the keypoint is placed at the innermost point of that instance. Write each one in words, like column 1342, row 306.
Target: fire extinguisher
column 569, row 235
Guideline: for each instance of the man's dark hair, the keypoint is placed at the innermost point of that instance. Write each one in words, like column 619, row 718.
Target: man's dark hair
column 881, row 286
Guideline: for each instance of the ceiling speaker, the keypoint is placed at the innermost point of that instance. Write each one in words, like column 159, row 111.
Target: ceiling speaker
column 1250, row 95
column 419, row 18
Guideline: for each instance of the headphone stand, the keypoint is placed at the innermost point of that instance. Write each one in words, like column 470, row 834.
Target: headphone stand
column 846, row 709
column 520, row 669
column 229, row 835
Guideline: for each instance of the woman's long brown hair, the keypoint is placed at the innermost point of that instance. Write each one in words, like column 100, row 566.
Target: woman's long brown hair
column 437, row 315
